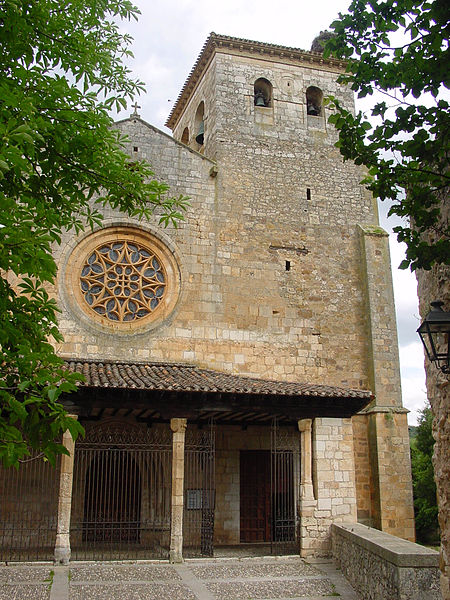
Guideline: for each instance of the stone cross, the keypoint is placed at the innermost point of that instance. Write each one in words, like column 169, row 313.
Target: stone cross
column 135, row 106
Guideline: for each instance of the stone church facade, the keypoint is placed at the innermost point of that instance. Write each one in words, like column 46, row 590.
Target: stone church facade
column 242, row 379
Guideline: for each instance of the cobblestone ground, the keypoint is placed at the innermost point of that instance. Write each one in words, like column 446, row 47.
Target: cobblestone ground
column 282, row 578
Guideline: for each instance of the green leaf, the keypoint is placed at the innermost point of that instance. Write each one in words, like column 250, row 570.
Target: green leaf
column 404, row 264
column 406, row 155
column 18, row 408
column 61, row 70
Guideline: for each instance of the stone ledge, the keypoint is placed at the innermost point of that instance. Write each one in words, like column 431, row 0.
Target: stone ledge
column 397, row 551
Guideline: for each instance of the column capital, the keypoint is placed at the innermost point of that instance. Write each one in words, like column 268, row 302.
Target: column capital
column 304, row 424
column 177, row 425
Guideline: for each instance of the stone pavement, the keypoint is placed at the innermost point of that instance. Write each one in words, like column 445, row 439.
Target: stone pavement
column 268, row 578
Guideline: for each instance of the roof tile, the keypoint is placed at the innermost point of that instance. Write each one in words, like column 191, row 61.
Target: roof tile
column 190, row 378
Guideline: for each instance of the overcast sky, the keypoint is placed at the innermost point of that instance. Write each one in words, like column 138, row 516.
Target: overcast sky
column 167, row 40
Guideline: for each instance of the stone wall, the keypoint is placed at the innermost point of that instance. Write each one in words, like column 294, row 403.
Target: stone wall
column 383, row 567
column 334, row 498
column 272, row 276
column 283, row 271
column 435, row 285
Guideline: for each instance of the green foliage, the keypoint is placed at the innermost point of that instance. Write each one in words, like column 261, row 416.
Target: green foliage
column 425, row 502
column 400, row 48
column 61, row 162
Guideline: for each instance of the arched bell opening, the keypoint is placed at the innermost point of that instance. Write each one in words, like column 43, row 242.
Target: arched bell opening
column 263, row 93
column 199, row 124
column 185, row 136
column 314, row 101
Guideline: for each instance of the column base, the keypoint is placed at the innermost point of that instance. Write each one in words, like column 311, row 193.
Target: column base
column 175, row 557
column 306, row 507
column 62, row 549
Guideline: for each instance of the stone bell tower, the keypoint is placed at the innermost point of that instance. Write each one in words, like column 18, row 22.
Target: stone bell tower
column 298, row 235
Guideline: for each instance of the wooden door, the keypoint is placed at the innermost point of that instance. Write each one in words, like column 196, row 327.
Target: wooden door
column 255, row 496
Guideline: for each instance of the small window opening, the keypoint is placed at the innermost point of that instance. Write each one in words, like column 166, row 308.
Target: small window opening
column 185, row 136
column 288, row 265
column 135, row 149
column 308, row 194
column 262, row 93
column 314, row 100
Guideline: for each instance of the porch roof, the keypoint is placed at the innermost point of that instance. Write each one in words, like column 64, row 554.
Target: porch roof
column 175, row 389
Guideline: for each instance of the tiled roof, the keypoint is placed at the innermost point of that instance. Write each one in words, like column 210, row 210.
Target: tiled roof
column 241, row 45
column 189, row 378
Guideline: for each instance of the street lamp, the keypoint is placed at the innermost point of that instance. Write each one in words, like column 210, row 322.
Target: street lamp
column 435, row 335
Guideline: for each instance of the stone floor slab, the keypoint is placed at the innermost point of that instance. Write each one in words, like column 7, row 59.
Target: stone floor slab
column 25, row 591
column 255, row 578
column 25, row 573
column 113, row 572
column 247, row 569
column 131, row 591
column 279, row 589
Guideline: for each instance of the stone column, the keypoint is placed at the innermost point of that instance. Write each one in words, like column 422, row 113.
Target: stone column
column 62, row 545
column 178, row 427
column 306, row 489
column 307, row 503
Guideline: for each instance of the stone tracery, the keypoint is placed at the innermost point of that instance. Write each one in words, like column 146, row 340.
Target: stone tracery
column 123, row 281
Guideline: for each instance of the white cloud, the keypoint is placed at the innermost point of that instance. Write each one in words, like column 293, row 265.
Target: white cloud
column 175, row 30
column 413, row 379
column 411, row 356
column 414, row 397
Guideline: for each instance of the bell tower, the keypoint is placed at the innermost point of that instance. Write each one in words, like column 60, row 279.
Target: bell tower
column 298, row 233
column 240, row 89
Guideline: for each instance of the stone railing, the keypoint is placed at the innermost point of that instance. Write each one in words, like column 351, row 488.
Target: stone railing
column 381, row 566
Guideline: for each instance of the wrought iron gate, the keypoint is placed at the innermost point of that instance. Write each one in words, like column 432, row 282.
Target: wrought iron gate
column 199, row 492
column 122, row 492
column 284, row 482
column 29, row 510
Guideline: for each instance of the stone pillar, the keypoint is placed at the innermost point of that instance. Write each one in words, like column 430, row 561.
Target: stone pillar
column 391, row 485
column 178, row 427
column 62, row 544
column 392, row 506
column 307, row 503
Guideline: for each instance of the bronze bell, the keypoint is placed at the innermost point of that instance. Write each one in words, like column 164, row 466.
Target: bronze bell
column 259, row 99
column 199, row 138
column 313, row 110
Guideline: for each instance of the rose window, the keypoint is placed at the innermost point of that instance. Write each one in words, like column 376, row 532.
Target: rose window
column 123, row 281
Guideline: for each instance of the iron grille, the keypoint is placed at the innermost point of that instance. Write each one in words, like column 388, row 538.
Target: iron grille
column 122, row 493
column 199, row 495
column 28, row 510
column 285, row 478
